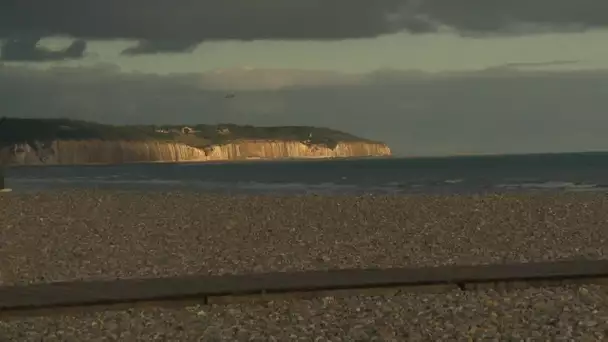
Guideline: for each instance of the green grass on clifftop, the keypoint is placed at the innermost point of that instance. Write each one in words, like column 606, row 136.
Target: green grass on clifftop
column 14, row 130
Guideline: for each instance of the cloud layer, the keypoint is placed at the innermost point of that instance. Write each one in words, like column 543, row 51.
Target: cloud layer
column 27, row 49
column 168, row 46
column 157, row 21
column 500, row 110
column 246, row 78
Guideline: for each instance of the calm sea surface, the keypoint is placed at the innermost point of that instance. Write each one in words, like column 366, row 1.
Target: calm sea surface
column 561, row 172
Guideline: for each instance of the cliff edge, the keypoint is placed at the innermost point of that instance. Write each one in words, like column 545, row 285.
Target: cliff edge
column 62, row 141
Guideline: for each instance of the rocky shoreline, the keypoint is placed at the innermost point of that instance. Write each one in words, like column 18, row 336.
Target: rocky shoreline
column 546, row 314
column 107, row 234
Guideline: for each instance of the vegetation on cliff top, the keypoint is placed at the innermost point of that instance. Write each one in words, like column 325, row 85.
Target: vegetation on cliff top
column 14, row 130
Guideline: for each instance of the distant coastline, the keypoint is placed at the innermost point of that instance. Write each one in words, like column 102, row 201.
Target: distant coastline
column 64, row 141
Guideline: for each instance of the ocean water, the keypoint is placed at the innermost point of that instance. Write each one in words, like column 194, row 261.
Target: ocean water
column 478, row 174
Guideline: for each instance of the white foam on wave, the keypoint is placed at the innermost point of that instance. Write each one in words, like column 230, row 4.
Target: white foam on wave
column 114, row 181
column 549, row 185
column 91, row 181
column 150, row 184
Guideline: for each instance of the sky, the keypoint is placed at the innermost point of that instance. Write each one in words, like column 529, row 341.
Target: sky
column 429, row 77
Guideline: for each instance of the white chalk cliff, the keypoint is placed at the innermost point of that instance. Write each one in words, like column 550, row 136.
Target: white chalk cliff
column 117, row 152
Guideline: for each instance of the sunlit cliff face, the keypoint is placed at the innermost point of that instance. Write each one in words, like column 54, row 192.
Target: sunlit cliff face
column 114, row 152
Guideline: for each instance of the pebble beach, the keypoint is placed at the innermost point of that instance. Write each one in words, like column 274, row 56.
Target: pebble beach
column 549, row 314
column 95, row 234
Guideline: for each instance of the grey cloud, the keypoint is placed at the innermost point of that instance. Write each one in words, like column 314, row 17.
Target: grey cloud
column 517, row 16
column 199, row 20
column 167, row 46
column 501, row 111
column 533, row 64
column 272, row 79
column 26, row 49
column 530, row 65
column 203, row 20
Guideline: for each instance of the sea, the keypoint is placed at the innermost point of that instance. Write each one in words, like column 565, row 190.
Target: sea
column 429, row 175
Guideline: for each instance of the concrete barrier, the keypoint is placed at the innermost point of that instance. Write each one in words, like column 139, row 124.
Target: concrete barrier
column 3, row 187
column 221, row 289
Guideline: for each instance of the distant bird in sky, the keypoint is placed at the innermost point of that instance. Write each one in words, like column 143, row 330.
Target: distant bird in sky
column 230, row 96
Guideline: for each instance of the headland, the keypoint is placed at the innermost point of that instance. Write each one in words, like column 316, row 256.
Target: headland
column 65, row 141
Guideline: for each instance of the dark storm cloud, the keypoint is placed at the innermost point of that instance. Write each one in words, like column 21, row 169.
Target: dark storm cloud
column 500, row 111
column 517, row 16
column 198, row 20
column 27, row 49
column 168, row 46
column 201, row 20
